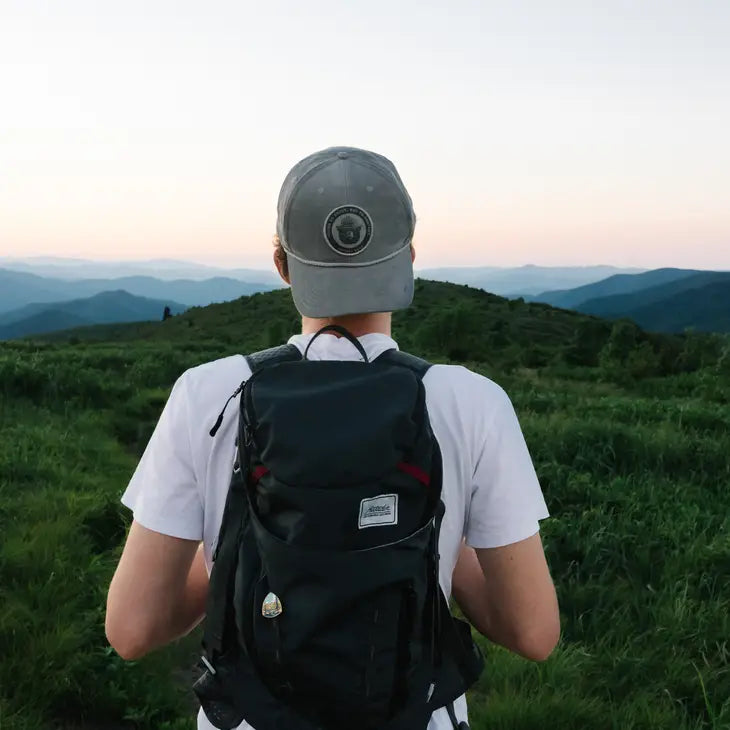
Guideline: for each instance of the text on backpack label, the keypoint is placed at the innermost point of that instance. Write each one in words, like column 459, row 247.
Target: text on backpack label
column 380, row 510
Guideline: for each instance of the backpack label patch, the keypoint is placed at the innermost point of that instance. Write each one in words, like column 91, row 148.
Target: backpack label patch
column 380, row 510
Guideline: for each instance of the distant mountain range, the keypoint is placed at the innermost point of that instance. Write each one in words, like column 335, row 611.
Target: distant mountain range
column 610, row 286
column 662, row 300
column 18, row 288
column 105, row 308
column 165, row 269
column 667, row 299
column 515, row 281
column 621, row 303
column 704, row 309
column 523, row 280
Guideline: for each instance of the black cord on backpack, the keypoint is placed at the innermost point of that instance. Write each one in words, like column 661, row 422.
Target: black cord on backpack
column 454, row 721
column 342, row 331
column 213, row 431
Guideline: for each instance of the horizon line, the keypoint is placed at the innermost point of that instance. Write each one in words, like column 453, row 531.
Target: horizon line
column 71, row 260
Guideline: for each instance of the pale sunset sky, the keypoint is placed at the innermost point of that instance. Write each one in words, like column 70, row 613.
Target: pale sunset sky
column 532, row 131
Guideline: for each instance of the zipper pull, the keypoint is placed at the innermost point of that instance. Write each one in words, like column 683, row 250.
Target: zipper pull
column 219, row 420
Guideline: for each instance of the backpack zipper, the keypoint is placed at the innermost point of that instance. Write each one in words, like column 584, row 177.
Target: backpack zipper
column 240, row 389
column 213, row 431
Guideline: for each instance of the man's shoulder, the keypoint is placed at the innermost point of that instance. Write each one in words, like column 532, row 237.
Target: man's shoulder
column 215, row 378
column 463, row 384
column 216, row 368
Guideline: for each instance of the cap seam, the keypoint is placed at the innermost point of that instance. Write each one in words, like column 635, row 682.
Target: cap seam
column 295, row 189
column 394, row 178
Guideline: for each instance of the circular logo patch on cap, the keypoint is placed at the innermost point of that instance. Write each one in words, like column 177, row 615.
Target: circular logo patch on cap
column 348, row 230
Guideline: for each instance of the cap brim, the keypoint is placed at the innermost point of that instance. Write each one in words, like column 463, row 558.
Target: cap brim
column 333, row 291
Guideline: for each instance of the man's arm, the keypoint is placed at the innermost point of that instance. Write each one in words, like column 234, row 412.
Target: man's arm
column 158, row 592
column 509, row 597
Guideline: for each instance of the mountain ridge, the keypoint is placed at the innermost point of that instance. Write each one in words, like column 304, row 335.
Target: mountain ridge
column 620, row 304
column 164, row 269
column 610, row 286
column 458, row 321
column 103, row 308
column 18, row 288
column 505, row 280
column 705, row 308
column 523, row 281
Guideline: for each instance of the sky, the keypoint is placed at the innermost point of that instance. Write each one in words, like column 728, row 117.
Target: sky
column 532, row 131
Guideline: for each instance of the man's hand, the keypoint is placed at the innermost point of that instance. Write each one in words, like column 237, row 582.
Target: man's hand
column 158, row 592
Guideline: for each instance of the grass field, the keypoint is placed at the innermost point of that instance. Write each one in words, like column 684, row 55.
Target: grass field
column 635, row 470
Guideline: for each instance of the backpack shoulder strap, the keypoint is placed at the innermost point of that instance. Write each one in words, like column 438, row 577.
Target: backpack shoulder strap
column 224, row 557
column 404, row 359
column 273, row 356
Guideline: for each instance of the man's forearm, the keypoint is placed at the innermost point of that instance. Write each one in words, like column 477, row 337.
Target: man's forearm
column 471, row 592
column 188, row 611
column 195, row 596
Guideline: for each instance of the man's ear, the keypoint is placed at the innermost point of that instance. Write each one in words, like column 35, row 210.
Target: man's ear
column 281, row 266
column 413, row 254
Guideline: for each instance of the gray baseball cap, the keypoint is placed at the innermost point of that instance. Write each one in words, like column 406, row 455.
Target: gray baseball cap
column 346, row 223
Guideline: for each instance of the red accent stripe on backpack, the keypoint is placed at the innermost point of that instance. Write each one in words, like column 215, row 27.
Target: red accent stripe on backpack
column 257, row 473
column 415, row 472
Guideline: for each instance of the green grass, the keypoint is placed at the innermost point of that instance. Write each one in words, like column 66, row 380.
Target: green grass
column 635, row 471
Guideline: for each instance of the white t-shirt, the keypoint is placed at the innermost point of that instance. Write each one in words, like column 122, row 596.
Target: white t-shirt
column 490, row 489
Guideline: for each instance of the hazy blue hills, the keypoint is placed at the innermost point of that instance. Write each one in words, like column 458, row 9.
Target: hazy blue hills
column 18, row 288
column 623, row 304
column 41, row 323
column 661, row 300
column 605, row 291
column 105, row 308
column 167, row 269
column 515, row 281
column 610, row 286
column 187, row 291
column 704, row 309
column 523, row 280
column 700, row 301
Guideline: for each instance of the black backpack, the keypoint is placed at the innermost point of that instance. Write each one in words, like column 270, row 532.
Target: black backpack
column 324, row 607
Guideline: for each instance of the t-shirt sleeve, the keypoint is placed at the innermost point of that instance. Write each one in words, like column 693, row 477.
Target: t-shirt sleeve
column 163, row 493
column 506, row 499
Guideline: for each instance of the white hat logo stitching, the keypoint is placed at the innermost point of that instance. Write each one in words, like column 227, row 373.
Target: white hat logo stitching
column 348, row 230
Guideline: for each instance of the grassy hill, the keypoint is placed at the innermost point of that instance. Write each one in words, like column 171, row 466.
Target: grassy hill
column 111, row 306
column 629, row 434
column 445, row 320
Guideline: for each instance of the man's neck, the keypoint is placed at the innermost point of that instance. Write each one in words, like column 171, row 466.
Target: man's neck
column 357, row 324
